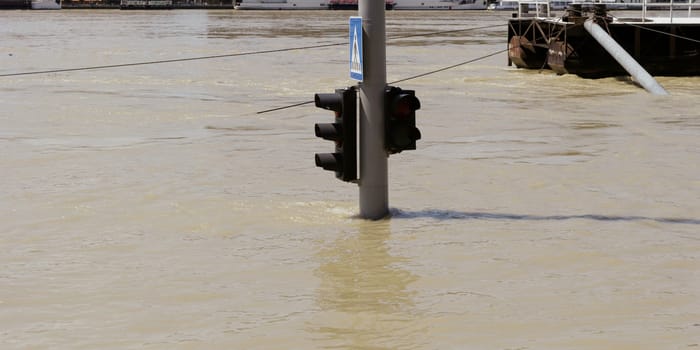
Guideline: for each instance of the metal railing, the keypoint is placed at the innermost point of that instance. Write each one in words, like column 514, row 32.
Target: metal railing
column 543, row 8
column 671, row 7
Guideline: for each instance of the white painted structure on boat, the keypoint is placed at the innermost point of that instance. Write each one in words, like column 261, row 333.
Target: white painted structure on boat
column 46, row 4
column 440, row 4
column 282, row 5
column 624, row 58
column 642, row 5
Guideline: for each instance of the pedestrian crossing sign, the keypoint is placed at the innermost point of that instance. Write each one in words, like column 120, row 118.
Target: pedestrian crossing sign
column 356, row 48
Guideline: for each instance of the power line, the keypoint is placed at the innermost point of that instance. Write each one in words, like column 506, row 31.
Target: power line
column 63, row 70
column 284, row 107
column 274, row 51
column 416, row 76
column 449, row 67
column 398, row 81
column 446, row 31
column 171, row 60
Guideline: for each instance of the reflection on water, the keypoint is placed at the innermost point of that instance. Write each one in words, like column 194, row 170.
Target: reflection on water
column 364, row 295
column 458, row 215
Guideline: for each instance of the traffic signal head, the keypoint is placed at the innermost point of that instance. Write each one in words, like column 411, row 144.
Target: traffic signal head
column 400, row 119
column 343, row 132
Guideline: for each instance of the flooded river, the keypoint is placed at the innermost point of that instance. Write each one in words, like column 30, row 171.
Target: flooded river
column 151, row 207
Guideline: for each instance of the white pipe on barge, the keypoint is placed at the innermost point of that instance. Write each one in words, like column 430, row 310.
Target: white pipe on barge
column 623, row 58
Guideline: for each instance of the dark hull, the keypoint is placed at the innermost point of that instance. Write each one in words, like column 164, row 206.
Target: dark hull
column 146, row 7
column 15, row 4
column 352, row 7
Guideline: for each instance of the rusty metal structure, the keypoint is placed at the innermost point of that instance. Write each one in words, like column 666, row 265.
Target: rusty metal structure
column 664, row 46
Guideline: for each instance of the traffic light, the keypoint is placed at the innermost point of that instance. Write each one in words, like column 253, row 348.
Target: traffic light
column 343, row 131
column 400, row 119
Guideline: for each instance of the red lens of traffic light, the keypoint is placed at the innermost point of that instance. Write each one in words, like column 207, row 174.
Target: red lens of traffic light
column 402, row 109
column 404, row 106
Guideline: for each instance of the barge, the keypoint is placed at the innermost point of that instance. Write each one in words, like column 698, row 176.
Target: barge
column 441, row 5
column 353, row 5
column 146, row 4
column 303, row 4
column 281, row 5
column 663, row 45
column 46, row 4
column 15, row 4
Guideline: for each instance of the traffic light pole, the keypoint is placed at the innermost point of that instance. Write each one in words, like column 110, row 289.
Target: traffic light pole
column 374, row 188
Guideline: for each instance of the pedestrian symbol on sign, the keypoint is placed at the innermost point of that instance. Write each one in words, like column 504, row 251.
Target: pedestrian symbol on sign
column 356, row 48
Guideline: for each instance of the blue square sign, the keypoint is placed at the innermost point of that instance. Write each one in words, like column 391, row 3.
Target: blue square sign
column 356, row 63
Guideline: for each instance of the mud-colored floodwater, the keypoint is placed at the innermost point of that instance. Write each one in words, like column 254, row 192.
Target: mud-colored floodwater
column 150, row 207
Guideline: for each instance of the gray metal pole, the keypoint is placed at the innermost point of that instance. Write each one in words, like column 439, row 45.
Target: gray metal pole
column 624, row 59
column 374, row 189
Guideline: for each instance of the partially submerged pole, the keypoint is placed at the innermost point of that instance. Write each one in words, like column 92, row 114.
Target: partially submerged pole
column 374, row 189
column 624, row 59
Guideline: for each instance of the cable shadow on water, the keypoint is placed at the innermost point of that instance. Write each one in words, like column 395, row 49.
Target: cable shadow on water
column 441, row 214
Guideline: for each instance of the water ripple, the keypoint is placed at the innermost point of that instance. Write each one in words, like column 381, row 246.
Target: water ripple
column 441, row 214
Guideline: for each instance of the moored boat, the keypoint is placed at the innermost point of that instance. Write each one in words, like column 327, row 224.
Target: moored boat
column 663, row 46
column 146, row 4
column 15, row 4
column 440, row 4
column 46, row 4
column 512, row 5
column 282, row 5
column 352, row 4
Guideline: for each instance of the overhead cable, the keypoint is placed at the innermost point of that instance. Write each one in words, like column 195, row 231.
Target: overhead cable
column 63, row 70
column 169, row 61
column 398, row 81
